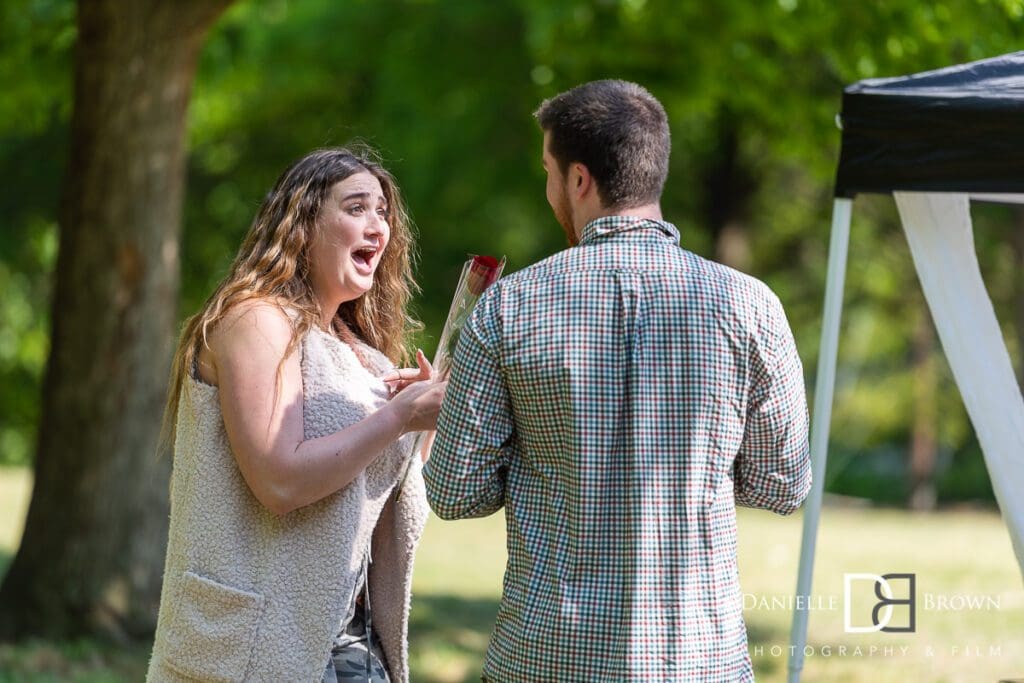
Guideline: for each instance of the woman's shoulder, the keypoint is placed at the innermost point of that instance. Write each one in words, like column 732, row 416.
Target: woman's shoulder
column 245, row 335
column 265, row 314
column 262, row 320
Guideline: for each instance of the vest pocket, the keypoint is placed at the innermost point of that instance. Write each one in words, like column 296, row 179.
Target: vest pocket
column 213, row 630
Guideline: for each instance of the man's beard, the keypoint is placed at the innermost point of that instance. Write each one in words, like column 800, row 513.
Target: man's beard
column 563, row 214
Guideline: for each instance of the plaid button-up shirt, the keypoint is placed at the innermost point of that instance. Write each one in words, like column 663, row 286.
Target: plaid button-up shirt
column 619, row 399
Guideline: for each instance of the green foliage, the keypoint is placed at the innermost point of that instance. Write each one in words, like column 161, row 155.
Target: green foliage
column 35, row 68
column 407, row 78
column 445, row 91
column 24, row 340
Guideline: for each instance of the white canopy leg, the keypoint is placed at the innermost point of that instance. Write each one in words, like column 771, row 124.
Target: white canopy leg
column 820, row 420
column 938, row 227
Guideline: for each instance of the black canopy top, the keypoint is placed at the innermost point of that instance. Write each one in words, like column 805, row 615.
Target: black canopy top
column 958, row 129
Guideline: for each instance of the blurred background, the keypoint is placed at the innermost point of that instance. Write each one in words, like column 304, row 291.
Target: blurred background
column 137, row 141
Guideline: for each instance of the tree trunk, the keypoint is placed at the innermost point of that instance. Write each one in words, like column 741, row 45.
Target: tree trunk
column 923, row 441
column 728, row 188
column 91, row 558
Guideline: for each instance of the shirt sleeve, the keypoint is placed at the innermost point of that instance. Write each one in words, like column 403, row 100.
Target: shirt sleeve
column 772, row 470
column 465, row 475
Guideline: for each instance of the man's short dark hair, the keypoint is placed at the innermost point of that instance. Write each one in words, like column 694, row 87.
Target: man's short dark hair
column 619, row 131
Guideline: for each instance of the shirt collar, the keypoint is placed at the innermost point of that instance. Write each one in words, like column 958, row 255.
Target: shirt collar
column 612, row 225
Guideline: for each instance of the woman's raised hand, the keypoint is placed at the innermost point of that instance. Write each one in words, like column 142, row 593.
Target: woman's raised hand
column 419, row 404
column 416, row 393
column 403, row 377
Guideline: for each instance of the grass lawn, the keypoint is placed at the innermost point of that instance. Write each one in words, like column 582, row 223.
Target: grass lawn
column 458, row 581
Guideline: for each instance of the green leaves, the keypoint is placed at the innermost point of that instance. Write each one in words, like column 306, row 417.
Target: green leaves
column 446, row 90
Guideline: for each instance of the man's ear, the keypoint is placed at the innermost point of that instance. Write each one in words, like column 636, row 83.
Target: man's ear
column 580, row 180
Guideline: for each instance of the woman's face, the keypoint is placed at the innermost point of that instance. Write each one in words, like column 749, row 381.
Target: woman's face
column 352, row 234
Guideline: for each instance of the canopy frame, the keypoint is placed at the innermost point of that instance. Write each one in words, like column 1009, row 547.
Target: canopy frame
column 934, row 140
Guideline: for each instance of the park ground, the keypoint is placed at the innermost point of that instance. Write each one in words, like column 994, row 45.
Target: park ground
column 969, row 599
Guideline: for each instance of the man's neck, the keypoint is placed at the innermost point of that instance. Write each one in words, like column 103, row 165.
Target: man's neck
column 650, row 211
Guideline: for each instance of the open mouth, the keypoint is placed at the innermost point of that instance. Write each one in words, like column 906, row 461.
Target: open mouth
column 363, row 258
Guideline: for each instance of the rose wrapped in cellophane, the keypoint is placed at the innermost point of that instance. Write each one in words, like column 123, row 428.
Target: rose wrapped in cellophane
column 478, row 273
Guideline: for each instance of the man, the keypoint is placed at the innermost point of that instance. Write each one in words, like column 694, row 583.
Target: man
column 619, row 399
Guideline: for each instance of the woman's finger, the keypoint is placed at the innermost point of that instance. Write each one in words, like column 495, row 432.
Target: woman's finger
column 402, row 374
column 426, row 369
column 399, row 379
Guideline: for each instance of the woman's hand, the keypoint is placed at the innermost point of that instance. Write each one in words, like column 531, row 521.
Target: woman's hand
column 419, row 403
column 416, row 394
column 403, row 377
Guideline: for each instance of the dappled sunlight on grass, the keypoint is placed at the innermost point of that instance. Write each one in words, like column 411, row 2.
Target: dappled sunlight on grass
column 456, row 589
column 457, row 586
column 951, row 553
column 448, row 637
column 15, row 489
column 80, row 661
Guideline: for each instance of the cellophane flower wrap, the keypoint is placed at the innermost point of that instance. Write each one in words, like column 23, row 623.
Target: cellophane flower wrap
column 478, row 273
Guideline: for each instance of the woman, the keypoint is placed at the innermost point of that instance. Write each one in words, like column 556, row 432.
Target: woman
column 288, row 443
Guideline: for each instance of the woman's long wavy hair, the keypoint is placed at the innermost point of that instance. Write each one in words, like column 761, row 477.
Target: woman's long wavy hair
column 273, row 265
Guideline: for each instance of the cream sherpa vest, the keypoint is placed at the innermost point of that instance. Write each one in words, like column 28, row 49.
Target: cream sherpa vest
column 252, row 596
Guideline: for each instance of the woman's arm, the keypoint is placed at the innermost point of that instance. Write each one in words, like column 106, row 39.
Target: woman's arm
column 263, row 417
